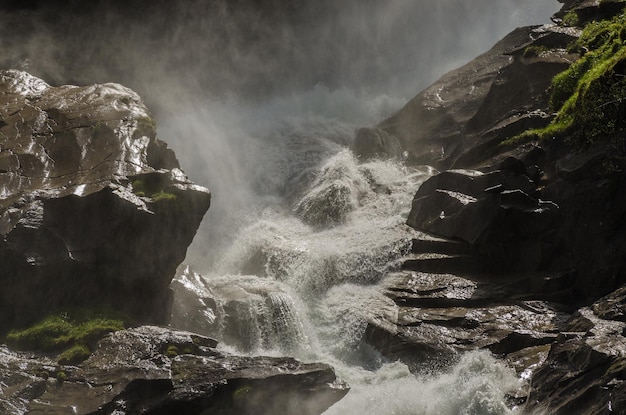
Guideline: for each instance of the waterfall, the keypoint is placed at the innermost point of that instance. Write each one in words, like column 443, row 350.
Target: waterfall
column 293, row 255
column 303, row 275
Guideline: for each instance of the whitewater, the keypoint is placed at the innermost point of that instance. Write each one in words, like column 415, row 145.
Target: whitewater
column 304, row 249
column 293, row 256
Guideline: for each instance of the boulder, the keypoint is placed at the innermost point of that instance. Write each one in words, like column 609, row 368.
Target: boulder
column 95, row 210
column 372, row 143
column 154, row 370
column 497, row 212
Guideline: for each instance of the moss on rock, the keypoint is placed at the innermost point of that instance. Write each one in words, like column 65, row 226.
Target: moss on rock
column 589, row 98
column 70, row 333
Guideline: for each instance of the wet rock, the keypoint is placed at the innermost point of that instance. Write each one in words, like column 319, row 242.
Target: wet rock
column 460, row 119
column 371, row 143
column 244, row 311
column 587, row 363
column 497, row 213
column 154, row 370
column 94, row 209
column 440, row 315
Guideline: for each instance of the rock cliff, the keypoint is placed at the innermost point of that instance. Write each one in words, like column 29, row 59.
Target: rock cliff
column 526, row 253
column 81, row 172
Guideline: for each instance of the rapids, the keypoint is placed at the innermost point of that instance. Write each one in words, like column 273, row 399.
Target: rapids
column 292, row 256
column 317, row 231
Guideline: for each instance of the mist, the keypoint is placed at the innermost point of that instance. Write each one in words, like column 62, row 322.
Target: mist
column 240, row 89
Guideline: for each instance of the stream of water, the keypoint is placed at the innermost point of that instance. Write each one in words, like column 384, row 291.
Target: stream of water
column 303, row 251
column 292, row 256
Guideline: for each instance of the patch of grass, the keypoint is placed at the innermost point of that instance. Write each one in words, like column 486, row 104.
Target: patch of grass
column 571, row 19
column 145, row 187
column 70, row 333
column 589, row 98
column 534, row 51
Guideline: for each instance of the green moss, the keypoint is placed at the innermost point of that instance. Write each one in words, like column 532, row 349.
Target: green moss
column 571, row 18
column 241, row 392
column 74, row 355
column 163, row 196
column 171, row 351
column 70, row 333
column 534, row 51
column 61, row 376
column 144, row 187
column 589, row 98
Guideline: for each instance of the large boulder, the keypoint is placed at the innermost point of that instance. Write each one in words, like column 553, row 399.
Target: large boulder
column 153, row 370
column 94, row 210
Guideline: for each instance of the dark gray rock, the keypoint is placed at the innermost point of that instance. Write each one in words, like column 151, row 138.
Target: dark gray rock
column 587, row 363
column 371, row 143
column 94, row 209
column 153, row 370
column 492, row 211
column 460, row 119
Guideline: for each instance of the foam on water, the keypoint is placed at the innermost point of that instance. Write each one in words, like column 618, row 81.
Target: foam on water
column 476, row 385
column 309, row 237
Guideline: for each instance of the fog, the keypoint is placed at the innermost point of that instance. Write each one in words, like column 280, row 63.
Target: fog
column 239, row 87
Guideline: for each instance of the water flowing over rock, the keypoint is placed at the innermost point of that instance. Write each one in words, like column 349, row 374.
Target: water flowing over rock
column 153, row 370
column 95, row 210
column 521, row 234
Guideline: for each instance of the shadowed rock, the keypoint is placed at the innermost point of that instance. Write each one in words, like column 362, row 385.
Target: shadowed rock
column 370, row 143
column 94, row 209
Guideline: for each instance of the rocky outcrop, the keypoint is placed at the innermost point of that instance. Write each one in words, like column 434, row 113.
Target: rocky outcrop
column 459, row 120
column 525, row 245
column 95, row 210
column 152, row 370
column 587, row 362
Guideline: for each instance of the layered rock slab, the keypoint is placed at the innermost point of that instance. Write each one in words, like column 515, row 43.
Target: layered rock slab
column 94, row 210
column 154, row 370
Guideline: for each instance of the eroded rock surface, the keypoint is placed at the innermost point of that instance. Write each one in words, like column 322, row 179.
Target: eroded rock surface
column 94, row 209
column 153, row 370
column 526, row 247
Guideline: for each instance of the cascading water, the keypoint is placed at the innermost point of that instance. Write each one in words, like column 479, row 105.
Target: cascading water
column 304, row 273
column 292, row 256
column 294, row 252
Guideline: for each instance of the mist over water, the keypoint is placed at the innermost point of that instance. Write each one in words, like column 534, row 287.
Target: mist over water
column 260, row 100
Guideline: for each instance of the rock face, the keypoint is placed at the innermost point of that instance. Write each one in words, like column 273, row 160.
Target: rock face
column 152, row 370
column 94, row 209
column 463, row 115
column 526, row 240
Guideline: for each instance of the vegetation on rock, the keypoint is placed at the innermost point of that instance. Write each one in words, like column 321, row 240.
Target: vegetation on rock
column 148, row 187
column 589, row 97
column 70, row 333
